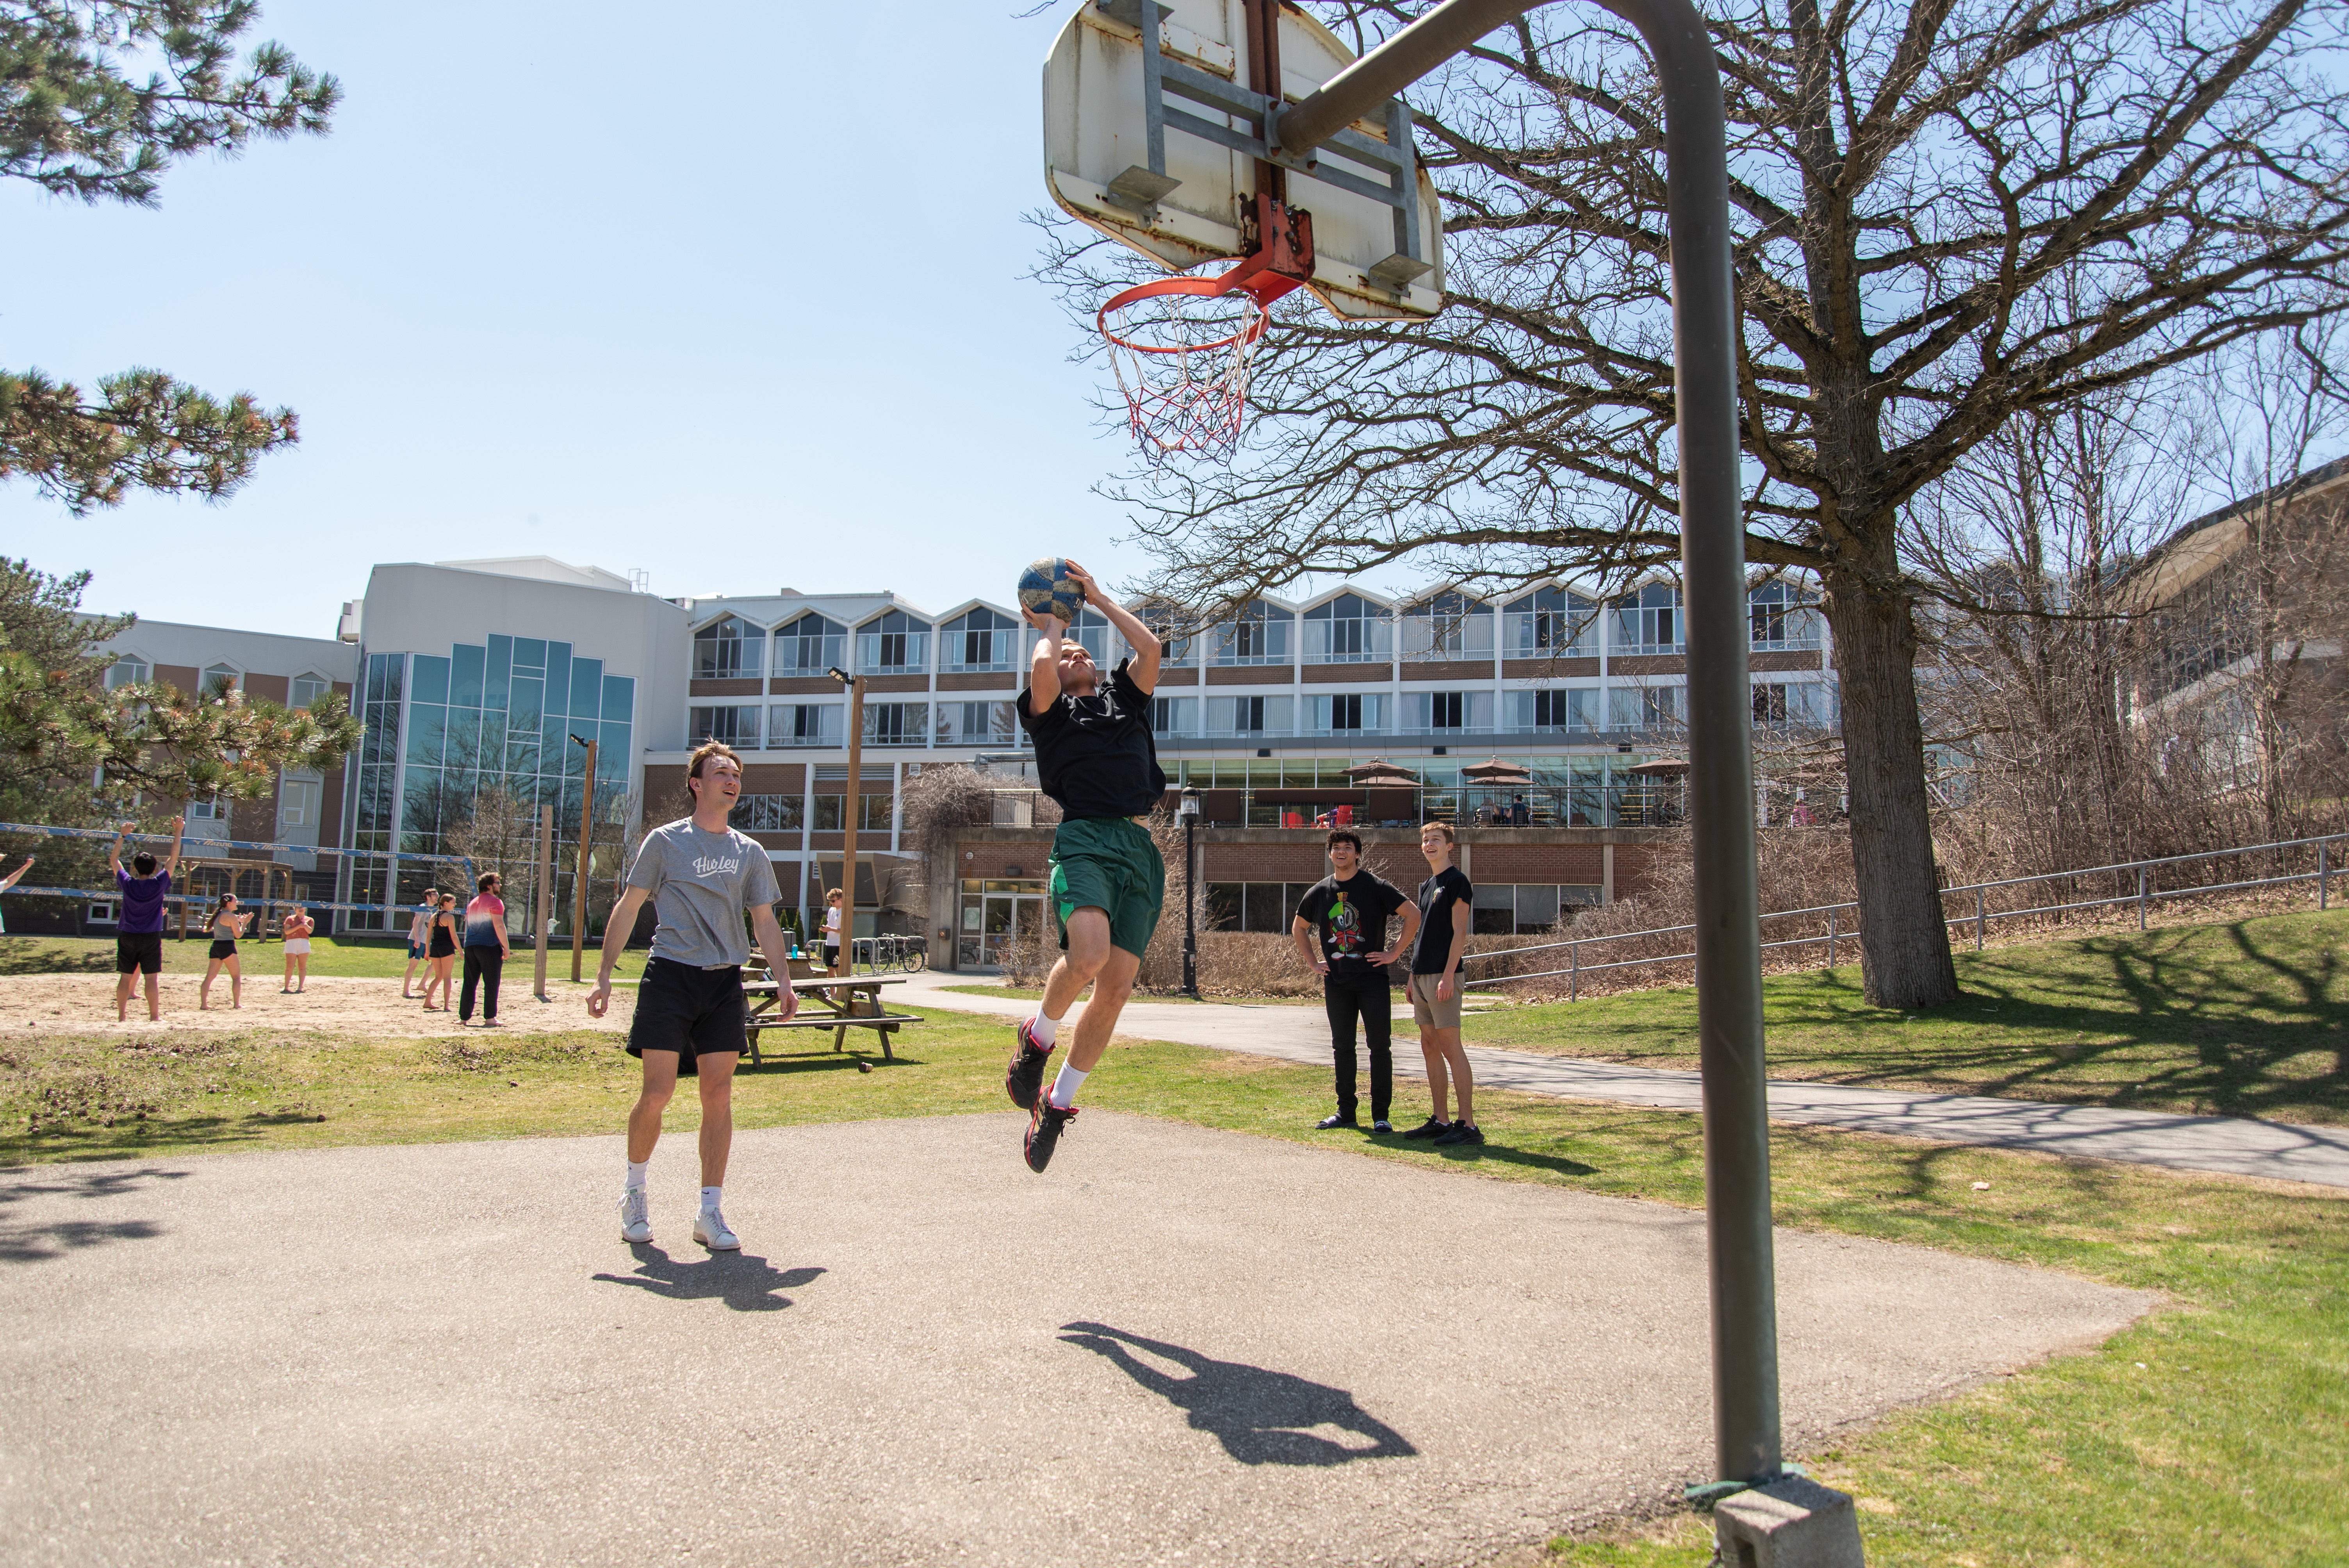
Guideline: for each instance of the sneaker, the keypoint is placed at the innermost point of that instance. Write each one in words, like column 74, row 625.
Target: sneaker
column 1383, row 1125
column 1044, row 1125
column 1326, row 1122
column 711, row 1231
column 1433, row 1127
column 1023, row 1080
column 1462, row 1132
column 636, row 1216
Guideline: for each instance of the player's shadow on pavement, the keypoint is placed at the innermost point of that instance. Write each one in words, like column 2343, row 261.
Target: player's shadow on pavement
column 29, row 1244
column 1261, row 1418
column 743, row 1282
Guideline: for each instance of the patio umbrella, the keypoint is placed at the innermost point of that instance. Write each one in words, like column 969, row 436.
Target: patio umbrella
column 1494, row 770
column 1666, row 768
column 1378, row 773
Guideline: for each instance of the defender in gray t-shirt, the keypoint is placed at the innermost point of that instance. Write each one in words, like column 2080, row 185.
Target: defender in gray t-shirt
column 702, row 877
column 701, row 881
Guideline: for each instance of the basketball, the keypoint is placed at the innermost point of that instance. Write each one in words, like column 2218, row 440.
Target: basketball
column 1047, row 589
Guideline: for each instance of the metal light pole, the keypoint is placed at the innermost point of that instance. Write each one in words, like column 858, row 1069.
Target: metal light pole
column 849, row 803
column 1712, row 556
column 1189, row 812
column 543, row 914
column 579, row 879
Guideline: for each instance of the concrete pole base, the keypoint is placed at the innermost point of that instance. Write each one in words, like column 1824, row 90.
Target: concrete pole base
column 1793, row 1522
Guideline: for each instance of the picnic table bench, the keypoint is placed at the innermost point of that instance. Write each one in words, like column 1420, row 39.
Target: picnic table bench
column 849, row 1004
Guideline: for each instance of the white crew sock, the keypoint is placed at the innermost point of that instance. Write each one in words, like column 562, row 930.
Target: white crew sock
column 1065, row 1086
column 636, row 1173
column 1045, row 1029
column 709, row 1196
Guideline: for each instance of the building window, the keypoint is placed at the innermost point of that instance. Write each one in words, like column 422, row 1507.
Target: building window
column 210, row 809
column 1259, row 635
column 299, row 801
column 736, row 725
column 1782, row 617
column 1792, row 705
column 1647, row 710
column 977, row 724
column 874, row 813
column 220, row 679
column 1452, row 711
column 1348, row 630
column 897, row 723
column 729, row 648
column 1506, row 909
column 1175, row 714
column 1550, row 623
column 307, row 688
column 766, row 814
column 1448, row 626
column 1168, row 625
column 1347, row 713
column 1647, row 622
column 1557, row 709
column 1252, row 716
column 809, row 647
column 978, row 640
column 1253, row 906
column 128, row 670
column 893, row 642
column 805, row 724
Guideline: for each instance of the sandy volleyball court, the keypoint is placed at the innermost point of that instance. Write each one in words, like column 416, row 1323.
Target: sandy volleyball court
column 84, row 1003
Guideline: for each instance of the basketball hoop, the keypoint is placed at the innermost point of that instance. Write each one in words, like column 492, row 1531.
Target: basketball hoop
column 1181, row 360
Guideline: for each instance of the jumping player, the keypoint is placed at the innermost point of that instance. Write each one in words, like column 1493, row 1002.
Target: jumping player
column 138, row 923
column 1094, row 757
column 701, row 876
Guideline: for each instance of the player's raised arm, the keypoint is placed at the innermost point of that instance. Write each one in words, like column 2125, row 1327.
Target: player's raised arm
column 1147, row 649
column 1044, row 664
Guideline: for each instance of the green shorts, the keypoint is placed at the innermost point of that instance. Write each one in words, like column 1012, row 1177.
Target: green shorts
column 1108, row 863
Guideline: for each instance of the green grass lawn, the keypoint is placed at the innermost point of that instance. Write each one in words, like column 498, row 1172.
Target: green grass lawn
column 2246, row 1019
column 2211, row 1433
column 328, row 955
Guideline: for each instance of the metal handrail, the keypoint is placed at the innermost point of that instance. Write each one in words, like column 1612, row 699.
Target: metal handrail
column 2145, row 894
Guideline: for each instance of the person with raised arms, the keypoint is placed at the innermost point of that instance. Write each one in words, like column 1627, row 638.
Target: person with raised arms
column 139, row 920
column 1096, row 759
column 702, row 877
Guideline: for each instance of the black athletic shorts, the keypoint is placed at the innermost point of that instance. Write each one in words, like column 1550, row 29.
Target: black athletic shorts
column 223, row 949
column 693, row 1012
column 140, row 951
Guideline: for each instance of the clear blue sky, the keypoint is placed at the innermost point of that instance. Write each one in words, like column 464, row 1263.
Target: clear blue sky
column 730, row 293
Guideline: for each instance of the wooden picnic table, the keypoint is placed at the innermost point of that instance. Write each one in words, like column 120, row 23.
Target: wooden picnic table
column 847, row 1003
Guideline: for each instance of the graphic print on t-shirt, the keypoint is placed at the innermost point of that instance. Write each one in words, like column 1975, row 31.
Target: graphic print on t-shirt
column 1345, row 928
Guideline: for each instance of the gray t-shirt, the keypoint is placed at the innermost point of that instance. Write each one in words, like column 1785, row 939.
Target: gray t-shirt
column 702, row 883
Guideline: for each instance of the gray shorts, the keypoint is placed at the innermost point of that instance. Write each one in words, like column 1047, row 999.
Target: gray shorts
column 1425, row 1010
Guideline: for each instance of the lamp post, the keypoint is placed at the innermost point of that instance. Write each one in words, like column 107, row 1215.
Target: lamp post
column 1189, row 812
column 579, row 880
column 849, row 802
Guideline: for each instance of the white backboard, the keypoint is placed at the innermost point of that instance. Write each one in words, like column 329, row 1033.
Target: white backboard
column 1096, row 130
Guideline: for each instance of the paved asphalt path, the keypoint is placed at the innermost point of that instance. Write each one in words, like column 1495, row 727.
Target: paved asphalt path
column 2233, row 1145
column 1179, row 1346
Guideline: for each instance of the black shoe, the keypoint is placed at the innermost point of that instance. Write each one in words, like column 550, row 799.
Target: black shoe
column 1383, row 1125
column 1044, row 1125
column 1341, row 1119
column 1023, row 1080
column 1461, row 1133
column 1433, row 1127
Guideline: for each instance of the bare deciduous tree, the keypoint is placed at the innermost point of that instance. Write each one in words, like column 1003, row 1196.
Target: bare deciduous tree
column 1949, row 213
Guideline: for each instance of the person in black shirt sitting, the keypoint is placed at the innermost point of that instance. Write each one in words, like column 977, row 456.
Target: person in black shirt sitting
column 1348, row 910
column 1095, row 757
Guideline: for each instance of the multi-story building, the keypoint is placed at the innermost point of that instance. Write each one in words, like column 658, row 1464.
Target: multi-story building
column 480, row 674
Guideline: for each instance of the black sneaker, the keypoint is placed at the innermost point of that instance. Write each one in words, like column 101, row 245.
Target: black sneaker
column 1023, row 1080
column 1383, row 1125
column 1044, row 1125
column 1462, row 1132
column 1433, row 1127
column 1326, row 1122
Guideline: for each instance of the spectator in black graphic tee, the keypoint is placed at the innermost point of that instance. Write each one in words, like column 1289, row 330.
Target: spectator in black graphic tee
column 1347, row 913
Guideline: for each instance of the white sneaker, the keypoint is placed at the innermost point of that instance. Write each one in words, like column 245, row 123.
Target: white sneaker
column 710, row 1231
column 636, row 1216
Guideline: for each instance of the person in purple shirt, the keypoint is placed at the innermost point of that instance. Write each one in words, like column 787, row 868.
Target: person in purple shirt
column 138, row 924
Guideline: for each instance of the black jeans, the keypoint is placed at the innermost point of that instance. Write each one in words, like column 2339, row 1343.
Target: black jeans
column 1372, row 998
column 482, row 966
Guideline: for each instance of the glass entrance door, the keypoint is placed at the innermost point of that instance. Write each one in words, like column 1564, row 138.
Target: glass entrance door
column 992, row 913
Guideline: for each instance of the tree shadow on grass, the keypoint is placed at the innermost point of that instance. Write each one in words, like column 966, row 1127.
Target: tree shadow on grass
column 743, row 1282
column 1260, row 1416
column 129, row 1141
column 33, row 1242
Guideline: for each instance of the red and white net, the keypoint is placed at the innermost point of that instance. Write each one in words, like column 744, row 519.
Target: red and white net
column 1181, row 347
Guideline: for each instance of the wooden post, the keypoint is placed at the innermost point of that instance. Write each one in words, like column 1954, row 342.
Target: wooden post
column 543, row 904
column 579, row 881
column 851, row 808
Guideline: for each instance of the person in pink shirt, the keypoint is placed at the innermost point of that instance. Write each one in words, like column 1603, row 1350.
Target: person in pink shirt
column 485, row 952
column 296, row 930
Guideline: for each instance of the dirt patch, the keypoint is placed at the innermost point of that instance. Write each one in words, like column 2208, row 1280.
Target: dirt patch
column 33, row 1005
